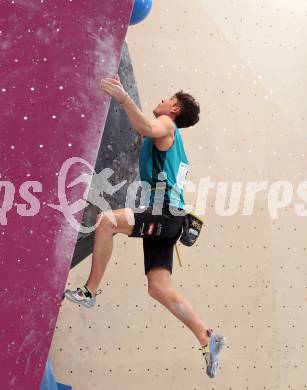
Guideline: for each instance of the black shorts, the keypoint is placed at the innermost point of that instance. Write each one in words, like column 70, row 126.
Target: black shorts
column 159, row 233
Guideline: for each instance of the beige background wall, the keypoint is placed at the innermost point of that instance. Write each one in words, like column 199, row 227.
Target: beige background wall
column 246, row 63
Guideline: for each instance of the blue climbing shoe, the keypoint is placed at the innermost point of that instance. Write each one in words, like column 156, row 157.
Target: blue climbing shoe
column 82, row 296
column 211, row 353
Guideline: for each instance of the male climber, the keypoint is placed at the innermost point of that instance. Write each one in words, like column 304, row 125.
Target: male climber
column 164, row 166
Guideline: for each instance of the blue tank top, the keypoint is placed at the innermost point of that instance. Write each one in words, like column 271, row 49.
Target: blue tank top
column 164, row 170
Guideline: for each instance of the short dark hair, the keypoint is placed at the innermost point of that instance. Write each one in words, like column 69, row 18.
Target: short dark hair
column 189, row 110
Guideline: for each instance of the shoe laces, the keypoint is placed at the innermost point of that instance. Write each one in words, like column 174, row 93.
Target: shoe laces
column 80, row 292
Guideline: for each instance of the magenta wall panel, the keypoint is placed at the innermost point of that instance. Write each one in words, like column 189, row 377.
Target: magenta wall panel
column 53, row 54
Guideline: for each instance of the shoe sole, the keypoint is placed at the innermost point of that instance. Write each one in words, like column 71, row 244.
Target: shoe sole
column 221, row 340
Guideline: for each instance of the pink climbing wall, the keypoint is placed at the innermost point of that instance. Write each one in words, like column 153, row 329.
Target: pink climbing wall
column 53, row 54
